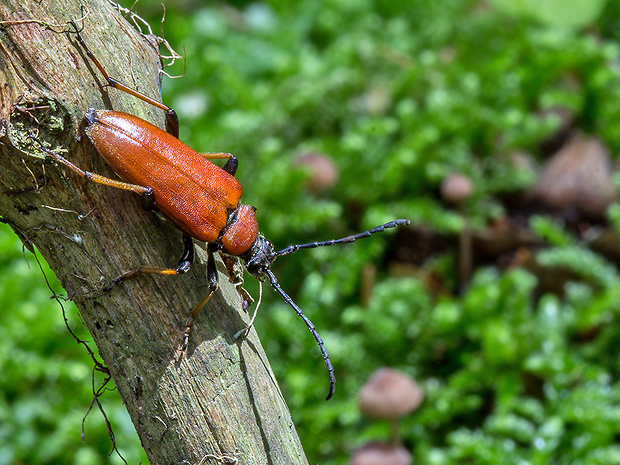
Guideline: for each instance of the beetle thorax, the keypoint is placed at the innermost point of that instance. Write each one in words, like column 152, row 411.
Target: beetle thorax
column 241, row 231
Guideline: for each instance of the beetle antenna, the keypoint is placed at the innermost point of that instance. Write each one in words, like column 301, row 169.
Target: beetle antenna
column 319, row 341
column 344, row 240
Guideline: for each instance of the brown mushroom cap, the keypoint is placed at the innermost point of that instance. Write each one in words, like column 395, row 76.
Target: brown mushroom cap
column 389, row 394
column 381, row 454
column 456, row 188
column 578, row 176
column 324, row 173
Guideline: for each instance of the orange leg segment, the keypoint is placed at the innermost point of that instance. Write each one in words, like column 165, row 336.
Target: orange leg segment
column 172, row 120
column 213, row 286
column 147, row 191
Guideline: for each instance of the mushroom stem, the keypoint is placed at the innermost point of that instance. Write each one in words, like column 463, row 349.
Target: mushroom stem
column 465, row 254
column 395, row 429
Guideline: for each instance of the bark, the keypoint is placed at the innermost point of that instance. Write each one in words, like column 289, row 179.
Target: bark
column 219, row 401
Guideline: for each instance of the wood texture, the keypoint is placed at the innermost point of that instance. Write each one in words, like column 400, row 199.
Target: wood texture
column 217, row 403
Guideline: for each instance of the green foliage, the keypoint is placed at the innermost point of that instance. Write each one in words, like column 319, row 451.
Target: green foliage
column 399, row 95
column 45, row 387
column 581, row 13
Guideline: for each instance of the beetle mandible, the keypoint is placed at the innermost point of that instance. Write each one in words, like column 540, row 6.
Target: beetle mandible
column 201, row 198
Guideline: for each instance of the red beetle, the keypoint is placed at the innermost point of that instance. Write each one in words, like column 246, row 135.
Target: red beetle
column 201, row 198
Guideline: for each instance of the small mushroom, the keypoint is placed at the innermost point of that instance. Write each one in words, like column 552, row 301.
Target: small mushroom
column 456, row 188
column 389, row 394
column 324, row 173
column 377, row 453
column 579, row 176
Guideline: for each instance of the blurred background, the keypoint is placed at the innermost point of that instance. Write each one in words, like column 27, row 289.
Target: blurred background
column 491, row 125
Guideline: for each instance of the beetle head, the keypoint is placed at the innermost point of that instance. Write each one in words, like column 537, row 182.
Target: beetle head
column 259, row 258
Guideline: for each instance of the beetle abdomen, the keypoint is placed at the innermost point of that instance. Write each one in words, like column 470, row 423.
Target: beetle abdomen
column 193, row 192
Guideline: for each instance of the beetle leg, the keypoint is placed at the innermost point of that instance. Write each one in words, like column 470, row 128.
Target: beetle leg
column 230, row 166
column 172, row 120
column 145, row 191
column 183, row 267
column 235, row 273
column 148, row 201
column 213, row 285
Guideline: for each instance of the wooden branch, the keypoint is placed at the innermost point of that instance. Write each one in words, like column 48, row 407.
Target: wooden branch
column 219, row 401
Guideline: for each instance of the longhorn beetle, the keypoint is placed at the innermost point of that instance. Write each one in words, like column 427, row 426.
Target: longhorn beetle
column 201, row 198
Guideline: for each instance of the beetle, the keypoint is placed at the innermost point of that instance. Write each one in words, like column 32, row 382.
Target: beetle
column 202, row 199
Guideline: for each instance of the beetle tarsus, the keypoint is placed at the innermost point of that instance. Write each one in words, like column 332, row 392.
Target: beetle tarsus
column 148, row 200
column 231, row 165
column 172, row 122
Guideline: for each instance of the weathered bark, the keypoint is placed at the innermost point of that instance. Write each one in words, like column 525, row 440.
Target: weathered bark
column 219, row 399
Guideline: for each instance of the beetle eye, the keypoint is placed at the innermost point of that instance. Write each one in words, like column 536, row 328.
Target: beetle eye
column 254, row 268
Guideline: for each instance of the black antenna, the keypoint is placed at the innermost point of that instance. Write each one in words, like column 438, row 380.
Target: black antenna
column 319, row 341
column 287, row 299
column 344, row 240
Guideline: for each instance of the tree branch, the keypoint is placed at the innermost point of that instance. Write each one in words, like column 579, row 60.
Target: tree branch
column 219, row 401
